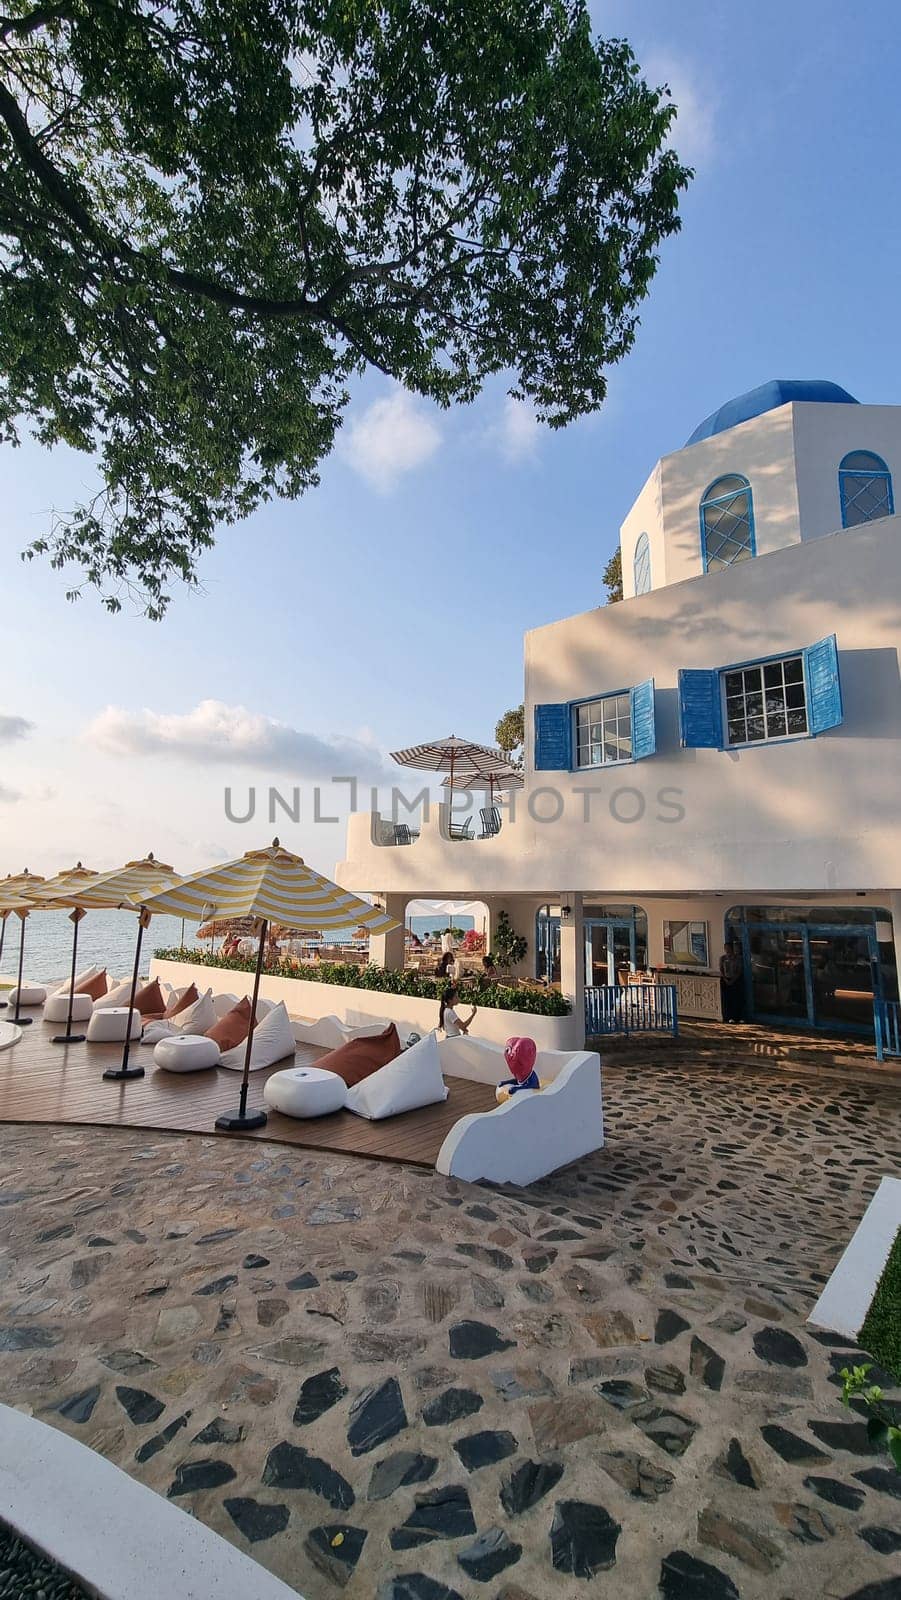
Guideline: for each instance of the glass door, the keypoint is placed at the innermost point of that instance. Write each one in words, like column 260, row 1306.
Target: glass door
column 777, row 972
column 842, row 962
column 818, row 976
column 610, row 951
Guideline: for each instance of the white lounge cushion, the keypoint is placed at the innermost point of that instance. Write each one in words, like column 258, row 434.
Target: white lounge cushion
column 198, row 1018
column 413, row 1079
column 56, row 1007
column 273, row 1039
column 116, row 996
column 331, row 1033
column 223, row 1004
column 186, row 1052
column 305, row 1092
column 84, row 976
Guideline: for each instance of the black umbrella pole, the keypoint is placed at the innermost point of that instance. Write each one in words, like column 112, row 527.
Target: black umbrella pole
column 2, row 941
column 231, row 1122
column 22, row 1022
column 121, row 1074
column 69, row 1037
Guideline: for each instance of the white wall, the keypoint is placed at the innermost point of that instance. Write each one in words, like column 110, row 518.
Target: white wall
column 824, row 435
column 811, row 815
column 646, row 516
column 305, row 998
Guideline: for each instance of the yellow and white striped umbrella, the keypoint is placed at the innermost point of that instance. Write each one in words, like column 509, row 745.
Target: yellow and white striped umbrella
column 71, row 878
column 126, row 887
column 271, row 885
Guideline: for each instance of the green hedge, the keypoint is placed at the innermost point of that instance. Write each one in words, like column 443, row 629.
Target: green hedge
column 477, row 991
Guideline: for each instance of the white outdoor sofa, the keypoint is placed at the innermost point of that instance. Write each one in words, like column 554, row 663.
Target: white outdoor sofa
column 535, row 1131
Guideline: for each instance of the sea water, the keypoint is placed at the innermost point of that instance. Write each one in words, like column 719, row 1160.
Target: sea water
column 107, row 939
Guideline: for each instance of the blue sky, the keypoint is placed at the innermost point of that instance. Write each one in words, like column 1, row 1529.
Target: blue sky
column 388, row 606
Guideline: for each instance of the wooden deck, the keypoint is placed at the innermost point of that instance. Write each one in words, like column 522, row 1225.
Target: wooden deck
column 44, row 1082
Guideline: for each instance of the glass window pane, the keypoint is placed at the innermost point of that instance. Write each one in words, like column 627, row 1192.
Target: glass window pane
column 738, row 730
column 755, row 728
column 794, row 670
column 772, row 675
column 797, row 721
column 775, row 724
column 794, row 695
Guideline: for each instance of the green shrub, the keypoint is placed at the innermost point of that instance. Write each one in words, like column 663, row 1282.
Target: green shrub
column 478, row 992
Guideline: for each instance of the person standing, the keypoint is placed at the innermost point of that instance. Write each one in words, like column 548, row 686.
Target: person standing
column 732, row 982
column 447, row 943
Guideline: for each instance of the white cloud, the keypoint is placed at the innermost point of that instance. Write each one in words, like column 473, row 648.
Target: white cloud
column 8, row 797
column 692, row 133
column 216, row 734
column 518, row 434
column 391, row 437
column 12, row 728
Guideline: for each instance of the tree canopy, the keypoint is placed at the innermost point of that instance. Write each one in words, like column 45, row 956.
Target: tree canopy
column 612, row 577
column 214, row 213
column 510, row 734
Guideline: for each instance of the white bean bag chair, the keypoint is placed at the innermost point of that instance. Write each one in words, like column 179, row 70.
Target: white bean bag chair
column 223, row 1003
column 305, row 1092
column 116, row 995
column 411, row 1080
column 108, row 1027
column 56, row 1007
column 273, row 1039
column 198, row 1018
column 30, row 994
column 80, row 977
column 186, row 1052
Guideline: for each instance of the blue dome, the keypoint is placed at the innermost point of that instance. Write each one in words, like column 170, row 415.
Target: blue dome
column 778, row 392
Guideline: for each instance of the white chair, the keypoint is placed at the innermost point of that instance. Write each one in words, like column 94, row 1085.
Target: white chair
column 56, row 1007
column 305, row 1092
column 186, row 1052
column 30, row 994
column 108, row 1026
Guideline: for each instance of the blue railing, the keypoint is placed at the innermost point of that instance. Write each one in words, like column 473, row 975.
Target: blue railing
column 635, row 1008
column 887, row 1023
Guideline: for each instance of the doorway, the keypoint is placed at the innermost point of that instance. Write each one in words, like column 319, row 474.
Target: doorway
column 610, row 950
column 814, row 975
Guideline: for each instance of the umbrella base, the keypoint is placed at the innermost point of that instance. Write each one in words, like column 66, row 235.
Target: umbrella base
column 122, row 1074
column 68, row 1038
column 233, row 1122
column 23, row 1022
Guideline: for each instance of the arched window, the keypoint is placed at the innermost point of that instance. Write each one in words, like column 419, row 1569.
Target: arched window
column 641, row 565
column 865, row 488
column 727, row 523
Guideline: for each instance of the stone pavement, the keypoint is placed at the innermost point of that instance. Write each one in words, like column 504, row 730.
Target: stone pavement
column 383, row 1383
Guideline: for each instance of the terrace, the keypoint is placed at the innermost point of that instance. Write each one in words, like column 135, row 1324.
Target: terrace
column 611, row 1369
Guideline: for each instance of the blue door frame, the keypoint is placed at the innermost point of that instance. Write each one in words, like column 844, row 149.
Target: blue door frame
column 806, row 930
column 613, row 926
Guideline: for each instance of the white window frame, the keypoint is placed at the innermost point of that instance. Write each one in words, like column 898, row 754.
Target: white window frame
column 762, row 664
column 599, row 700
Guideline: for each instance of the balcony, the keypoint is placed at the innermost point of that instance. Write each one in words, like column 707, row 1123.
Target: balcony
column 486, row 824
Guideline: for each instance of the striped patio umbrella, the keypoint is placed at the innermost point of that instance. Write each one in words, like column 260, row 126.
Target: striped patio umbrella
column 124, row 889
column 71, row 878
column 458, row 757
column 15, row 897
column 270, row 885
column 8, row 885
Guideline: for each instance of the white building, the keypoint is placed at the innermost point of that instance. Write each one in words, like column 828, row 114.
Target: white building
column 721, row 752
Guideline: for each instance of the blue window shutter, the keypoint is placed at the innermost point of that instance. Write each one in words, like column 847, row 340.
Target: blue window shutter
column 824, row 689
column 644, row 727
column 553, row 738
column 700, row 710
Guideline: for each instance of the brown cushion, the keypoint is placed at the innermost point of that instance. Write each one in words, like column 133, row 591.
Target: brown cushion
column 181, row 1002
column 356, row 1059
column 232, row 1029
column 149, row 1000
column 95, row 987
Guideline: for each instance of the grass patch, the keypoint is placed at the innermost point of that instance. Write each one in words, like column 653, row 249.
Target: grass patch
column 880, row 1335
